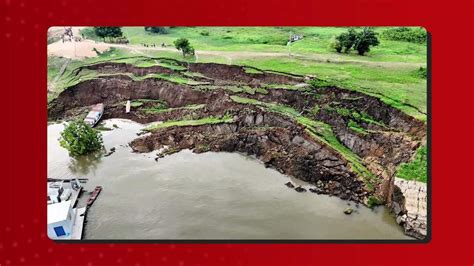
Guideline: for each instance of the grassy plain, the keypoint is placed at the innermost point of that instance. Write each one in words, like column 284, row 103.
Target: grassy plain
column 389, row 71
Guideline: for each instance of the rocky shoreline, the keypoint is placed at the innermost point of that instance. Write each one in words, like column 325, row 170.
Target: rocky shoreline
column 410, row 207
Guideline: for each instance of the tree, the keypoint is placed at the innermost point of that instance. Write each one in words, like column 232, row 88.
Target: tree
column 184, row 46
column 365, row 40
column 110, row 32
column 79, row 138
column 360, row 41
column 159, row 30
column 346, row 40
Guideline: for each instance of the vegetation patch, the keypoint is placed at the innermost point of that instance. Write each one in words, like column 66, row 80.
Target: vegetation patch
column 405, row 34
column 417, row 169
column 171, row 78
column 291, row 87
column 421, row 72
column 320, row 83
column 363, row 116
column 148, row 104
column 164, row 109
column 135, row 104
column 354, row 126
column 198, row 122
column 314, row 110
column 373, row 201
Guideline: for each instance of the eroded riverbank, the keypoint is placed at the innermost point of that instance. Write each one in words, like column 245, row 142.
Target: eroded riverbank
column 346, row 143
column 206, row 196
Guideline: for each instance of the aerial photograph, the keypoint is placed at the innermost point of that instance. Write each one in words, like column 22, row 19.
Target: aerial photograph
column 237, row 133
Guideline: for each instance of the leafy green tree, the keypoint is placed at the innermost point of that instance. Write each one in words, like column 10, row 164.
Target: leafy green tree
column 159, row 30
column 365, row 39
column 79, row 138
column 360, row 41
column 184, row 46
column 109, row 32
column 346, row 40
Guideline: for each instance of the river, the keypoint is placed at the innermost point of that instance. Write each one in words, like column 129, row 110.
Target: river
column 204, row 196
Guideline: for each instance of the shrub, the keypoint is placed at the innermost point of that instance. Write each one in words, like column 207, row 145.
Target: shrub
column 347, row 40
column 336, row 45
column 79, row 138
column 360, row 41
column 159, row 30
column 404, row 34
column 422, row 72
column 205, row 33
column 109, row 32
column 365, row 39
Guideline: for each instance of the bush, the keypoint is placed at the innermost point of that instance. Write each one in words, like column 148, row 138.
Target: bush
column 347, row 40
column 109, row 32
column 336, row 45
column 159, row 30
column 422, row 72
column 205, row 33
column 364, row 40
column 404, row 34
column 359, row 41
column 79, row 138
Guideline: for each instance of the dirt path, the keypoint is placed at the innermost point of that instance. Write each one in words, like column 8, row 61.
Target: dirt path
column 83, row 49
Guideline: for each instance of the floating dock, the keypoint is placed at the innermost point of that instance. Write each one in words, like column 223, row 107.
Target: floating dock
column 67, row 209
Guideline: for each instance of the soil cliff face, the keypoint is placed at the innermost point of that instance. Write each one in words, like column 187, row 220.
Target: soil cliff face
column 273, row 140
column 345, row 143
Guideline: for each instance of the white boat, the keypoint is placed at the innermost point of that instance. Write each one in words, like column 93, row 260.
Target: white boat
column 94, row 114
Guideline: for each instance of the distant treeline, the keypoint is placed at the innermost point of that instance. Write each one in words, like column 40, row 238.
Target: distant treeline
column 405, row 34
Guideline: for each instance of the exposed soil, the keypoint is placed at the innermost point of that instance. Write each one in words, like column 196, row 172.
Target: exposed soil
column 273, row 140
column 384, row 137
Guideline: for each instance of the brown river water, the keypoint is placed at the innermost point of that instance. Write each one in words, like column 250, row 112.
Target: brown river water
column 204, row 196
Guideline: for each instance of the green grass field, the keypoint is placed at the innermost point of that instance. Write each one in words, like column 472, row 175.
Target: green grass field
column 389, row 71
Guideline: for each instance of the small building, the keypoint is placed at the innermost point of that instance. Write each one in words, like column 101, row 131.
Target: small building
column 61, row 218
